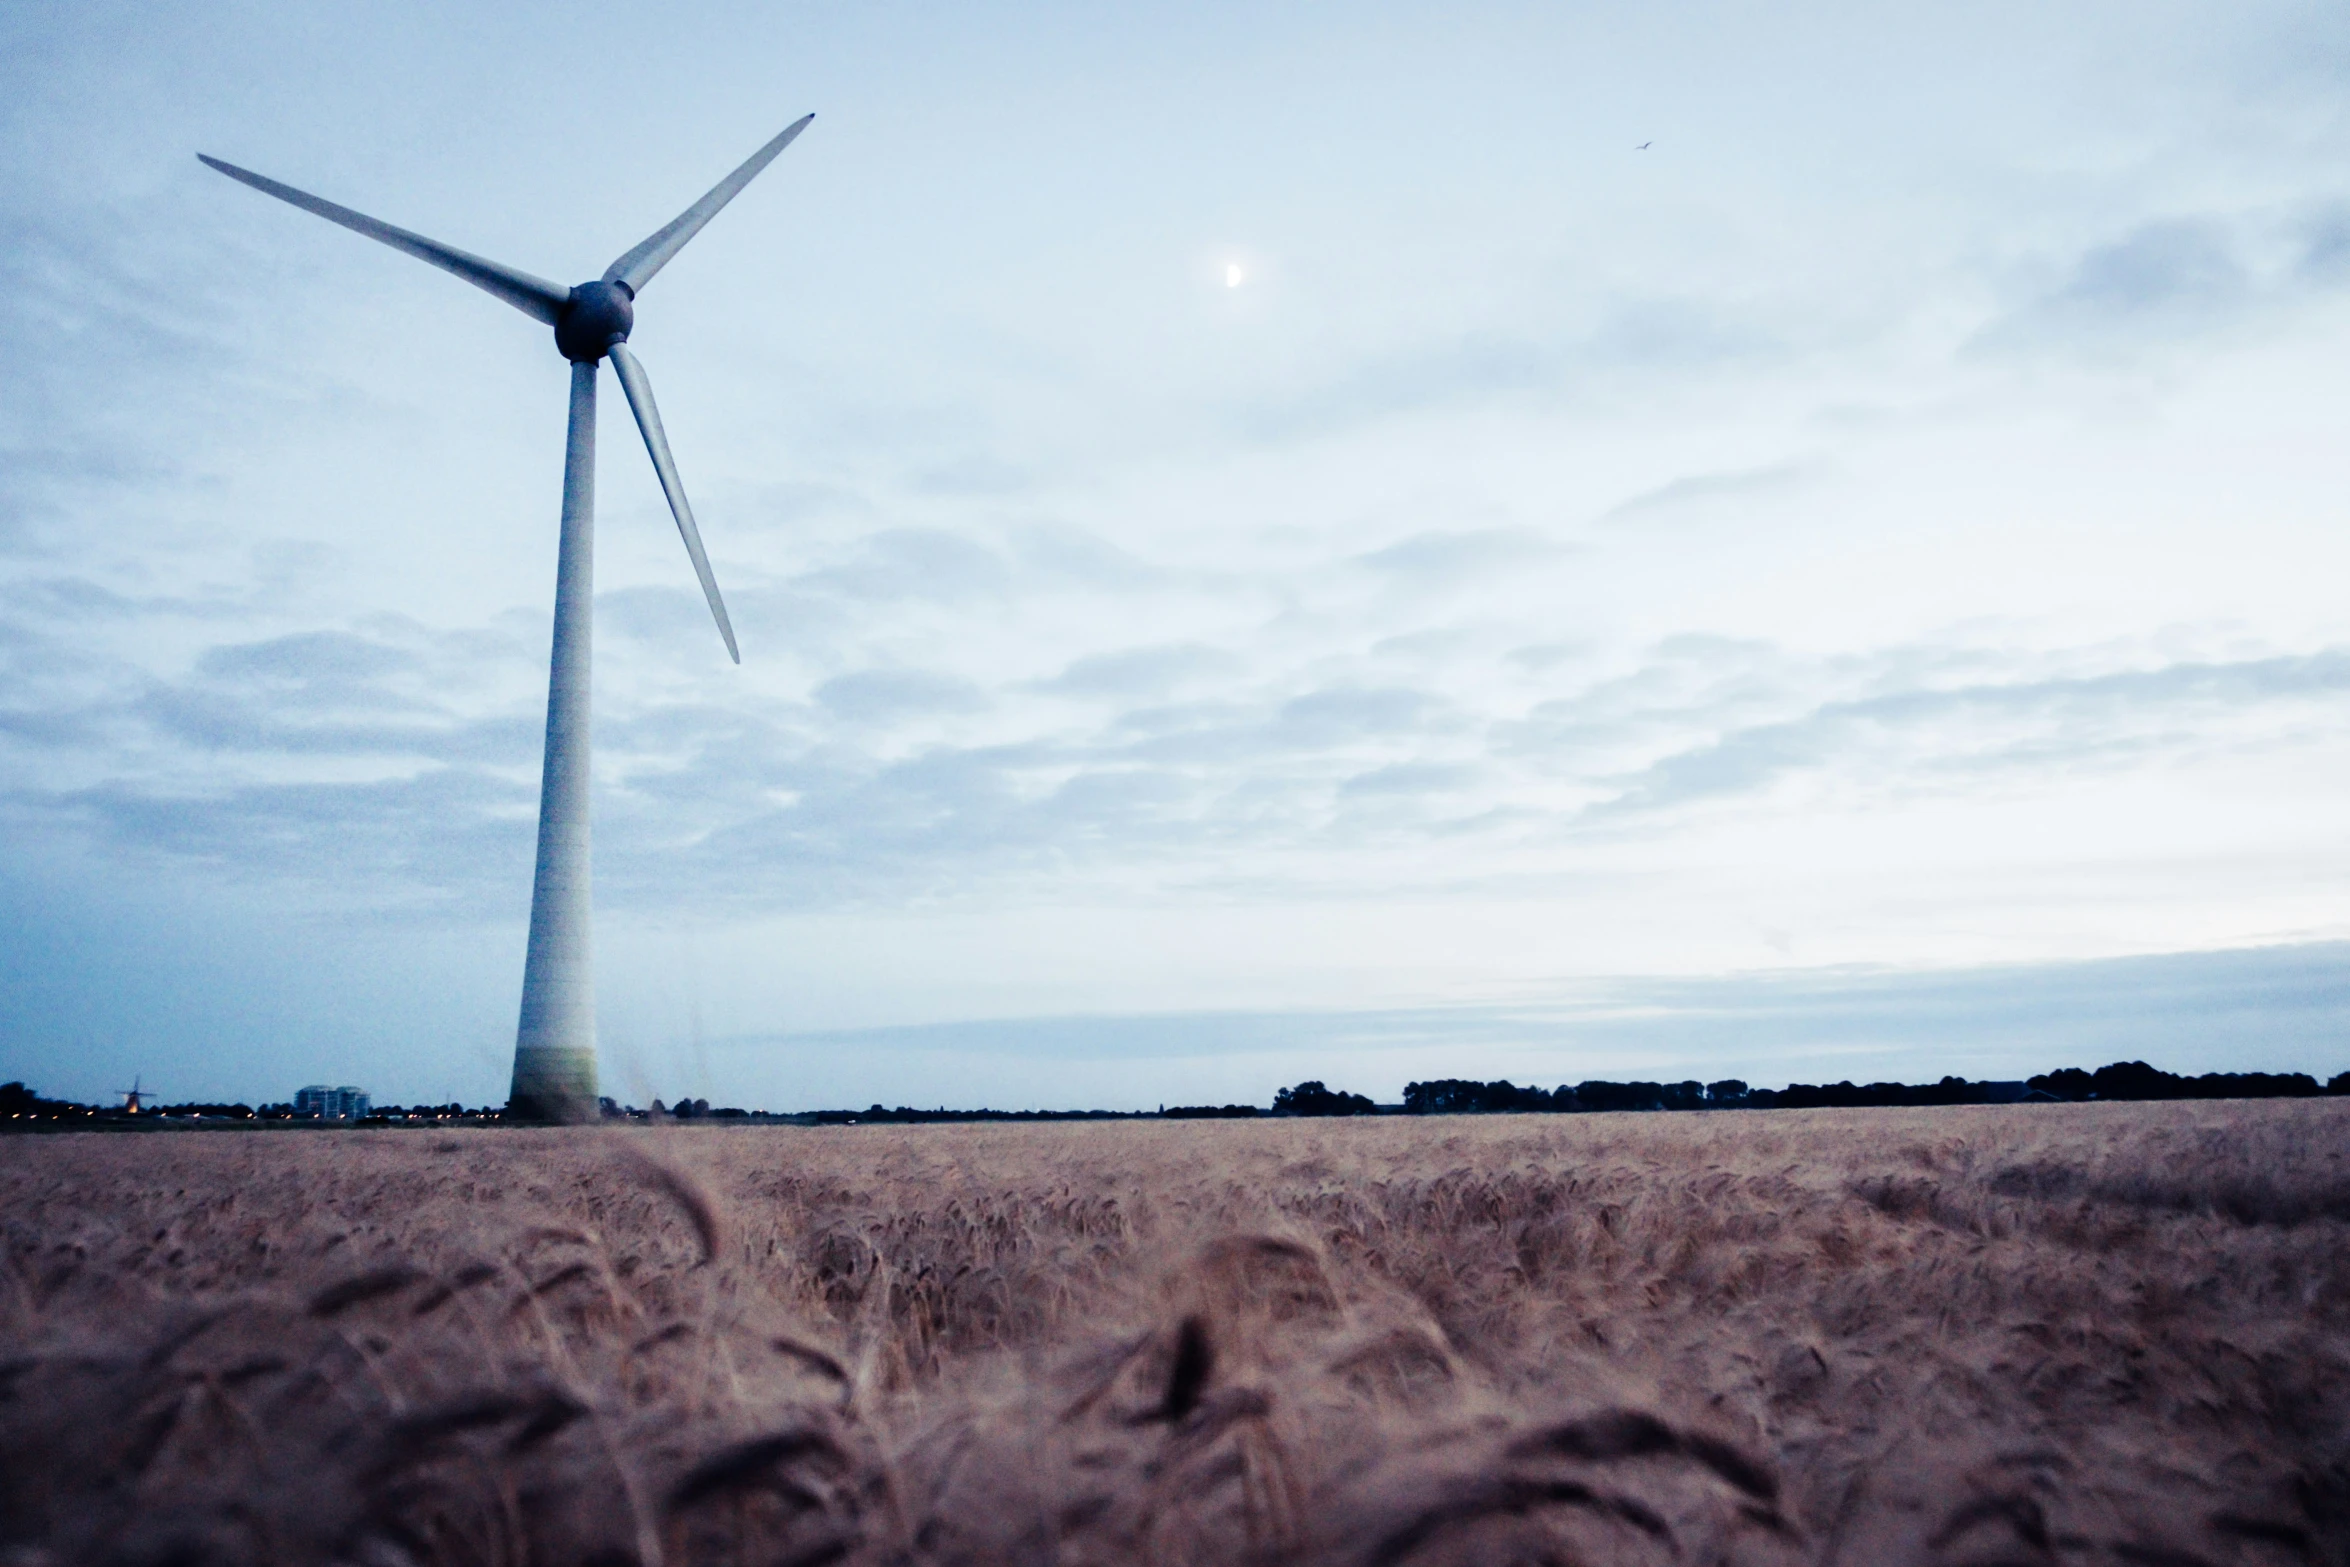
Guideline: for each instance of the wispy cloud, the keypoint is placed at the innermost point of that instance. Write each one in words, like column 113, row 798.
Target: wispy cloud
column 1453, row 555
column 1144, row 671
column 913, row 563
column 1627, row 338
column 1699, row 491
column 882, row 696
column 1941, row 738
column 2175, row 279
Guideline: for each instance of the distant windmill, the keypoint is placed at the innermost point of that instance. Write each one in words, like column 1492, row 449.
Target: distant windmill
column 131, row 1095
column 555, row 1045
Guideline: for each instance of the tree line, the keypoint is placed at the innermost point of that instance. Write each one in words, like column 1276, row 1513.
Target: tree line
column 24, row 1109
column 2133, row 1080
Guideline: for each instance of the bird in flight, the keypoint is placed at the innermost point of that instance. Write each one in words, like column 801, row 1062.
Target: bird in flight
column 1644, row 146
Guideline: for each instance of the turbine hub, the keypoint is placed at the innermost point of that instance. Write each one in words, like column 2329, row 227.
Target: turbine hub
column 597, row 315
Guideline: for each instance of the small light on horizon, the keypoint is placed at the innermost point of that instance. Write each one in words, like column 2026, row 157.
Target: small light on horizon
column 1233, row 274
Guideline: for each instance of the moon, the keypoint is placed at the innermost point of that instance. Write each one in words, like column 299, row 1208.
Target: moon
column 1233, row 274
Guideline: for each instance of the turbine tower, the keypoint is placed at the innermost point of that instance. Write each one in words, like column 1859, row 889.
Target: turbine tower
column 555, row 1045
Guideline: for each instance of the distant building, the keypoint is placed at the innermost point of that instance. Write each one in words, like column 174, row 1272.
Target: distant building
column 332, row 1104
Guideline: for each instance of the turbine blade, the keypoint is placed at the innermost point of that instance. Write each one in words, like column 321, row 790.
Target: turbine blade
column 634, row 270
column 648, row 419
column 533, row 296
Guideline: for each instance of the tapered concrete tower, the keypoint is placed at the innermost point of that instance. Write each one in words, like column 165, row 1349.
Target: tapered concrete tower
column 555, row 1048
column 555, row 1045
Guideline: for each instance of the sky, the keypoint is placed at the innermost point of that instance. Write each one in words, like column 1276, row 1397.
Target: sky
column 1365, row 542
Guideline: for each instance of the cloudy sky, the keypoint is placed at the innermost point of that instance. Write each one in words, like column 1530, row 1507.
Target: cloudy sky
column 1267, row 542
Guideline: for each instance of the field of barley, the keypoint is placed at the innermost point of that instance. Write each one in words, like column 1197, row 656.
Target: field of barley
column 2081, row 1333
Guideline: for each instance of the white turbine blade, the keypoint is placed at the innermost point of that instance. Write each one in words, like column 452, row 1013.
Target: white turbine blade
column 634, row 270
column 648, row 419
column 531, row 295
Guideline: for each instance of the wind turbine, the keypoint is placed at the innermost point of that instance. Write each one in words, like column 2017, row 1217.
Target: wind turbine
column 555, row 1044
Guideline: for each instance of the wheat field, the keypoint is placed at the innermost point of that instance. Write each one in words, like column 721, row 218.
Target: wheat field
column 2104, row 1333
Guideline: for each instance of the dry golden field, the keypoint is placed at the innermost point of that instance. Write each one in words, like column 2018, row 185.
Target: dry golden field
column 2093, row 1333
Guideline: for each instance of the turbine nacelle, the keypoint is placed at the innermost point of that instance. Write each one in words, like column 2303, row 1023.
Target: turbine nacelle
column 596, row 316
